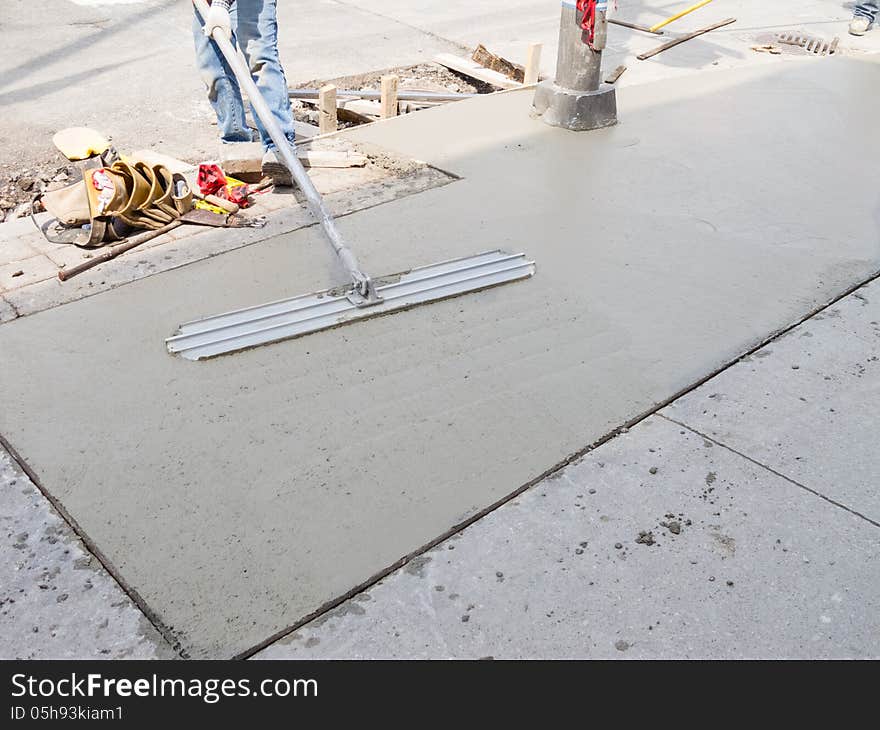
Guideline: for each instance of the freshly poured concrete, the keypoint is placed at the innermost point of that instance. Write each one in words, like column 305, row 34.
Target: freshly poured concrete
column 239, row 495
column 560, row 571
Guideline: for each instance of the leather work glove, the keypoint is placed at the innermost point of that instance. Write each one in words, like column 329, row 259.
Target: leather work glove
column 218, row 17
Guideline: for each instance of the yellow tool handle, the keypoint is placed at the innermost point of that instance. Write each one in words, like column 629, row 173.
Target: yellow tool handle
column 691, row 9
column 218, row 202
column 226, row 205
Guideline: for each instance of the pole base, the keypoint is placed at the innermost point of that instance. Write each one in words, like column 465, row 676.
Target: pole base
column 576, row 110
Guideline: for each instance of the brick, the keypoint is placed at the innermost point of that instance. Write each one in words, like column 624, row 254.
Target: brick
column 243, row 158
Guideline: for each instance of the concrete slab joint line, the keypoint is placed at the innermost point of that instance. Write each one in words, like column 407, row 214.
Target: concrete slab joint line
column 418, row 558
column 57, row 600
column 277, row 479
column 652, row 546
column 799, row 406
column 771, row 470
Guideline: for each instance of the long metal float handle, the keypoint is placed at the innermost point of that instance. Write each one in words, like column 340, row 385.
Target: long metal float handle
column 363, row 285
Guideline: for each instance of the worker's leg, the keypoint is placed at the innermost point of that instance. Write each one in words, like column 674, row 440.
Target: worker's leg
column 257, row 34
column 223, row 91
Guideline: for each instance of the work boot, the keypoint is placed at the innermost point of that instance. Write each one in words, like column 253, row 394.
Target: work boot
column 859, row 25
column 276, row 169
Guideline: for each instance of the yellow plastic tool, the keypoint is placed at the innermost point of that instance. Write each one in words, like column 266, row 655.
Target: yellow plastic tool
column 687, row 11
column 80, row 143
column 202, row 205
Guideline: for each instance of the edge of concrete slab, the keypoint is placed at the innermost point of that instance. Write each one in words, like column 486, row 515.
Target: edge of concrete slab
column 632, row 552
column 149, row 615
column 654, row 410
column 345, row 202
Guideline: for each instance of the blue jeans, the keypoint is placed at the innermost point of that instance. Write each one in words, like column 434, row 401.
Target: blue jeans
column 868, row 10
column 255, row 27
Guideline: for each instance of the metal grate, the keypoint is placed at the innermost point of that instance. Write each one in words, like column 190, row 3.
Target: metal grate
column 817, row 46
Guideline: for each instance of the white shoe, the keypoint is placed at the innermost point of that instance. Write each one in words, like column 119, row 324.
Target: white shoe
column 277, row 170
column 859, row 25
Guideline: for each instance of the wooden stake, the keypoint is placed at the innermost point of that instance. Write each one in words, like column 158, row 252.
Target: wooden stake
column 533, row 63
column 327, row 119
column 388, row 101
column 615, row 74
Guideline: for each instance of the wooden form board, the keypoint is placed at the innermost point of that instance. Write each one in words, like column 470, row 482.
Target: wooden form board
column 331, row 158
column 471, row 68
column 485, row 58
column 689, row 36
column 615, row 74
column 362, row 107
column 634, row 26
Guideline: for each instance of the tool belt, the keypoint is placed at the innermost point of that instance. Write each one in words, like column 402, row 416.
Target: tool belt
column 115, row 197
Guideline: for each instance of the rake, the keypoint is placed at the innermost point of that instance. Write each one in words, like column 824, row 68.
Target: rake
column 362, row 297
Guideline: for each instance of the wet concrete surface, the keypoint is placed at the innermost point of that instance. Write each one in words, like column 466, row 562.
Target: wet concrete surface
column 238, row 496
column 663, row 543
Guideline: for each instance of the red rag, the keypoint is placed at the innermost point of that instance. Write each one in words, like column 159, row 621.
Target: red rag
column 237, row 194
column 588, row 22
column 211, row 180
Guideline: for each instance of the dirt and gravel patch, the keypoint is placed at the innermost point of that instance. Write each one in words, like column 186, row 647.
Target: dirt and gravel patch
column 19, row 185
column 421, row 77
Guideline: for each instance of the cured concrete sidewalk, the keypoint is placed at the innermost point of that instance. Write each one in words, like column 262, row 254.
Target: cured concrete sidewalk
column 739, row 522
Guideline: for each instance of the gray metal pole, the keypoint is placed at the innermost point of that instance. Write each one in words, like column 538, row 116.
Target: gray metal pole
column 362, row 283
column 577, row 99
